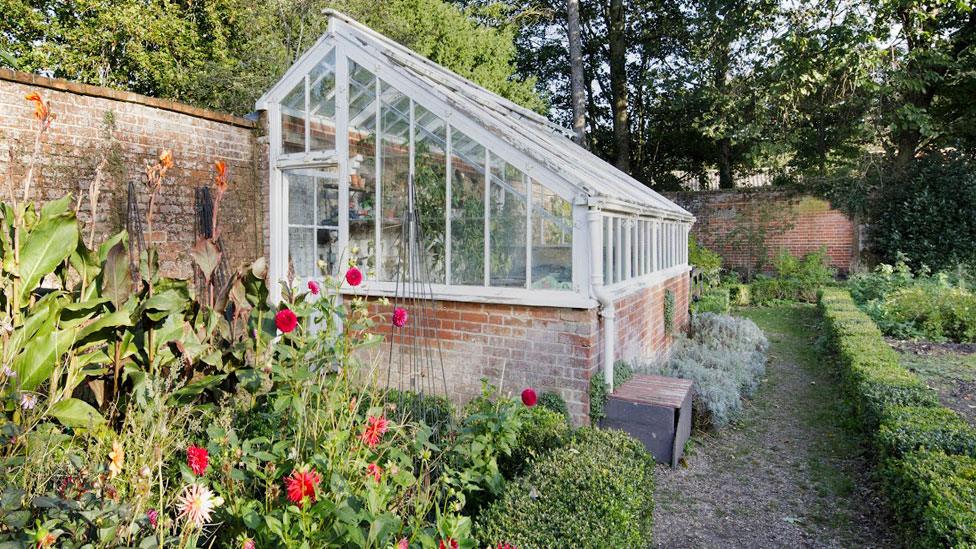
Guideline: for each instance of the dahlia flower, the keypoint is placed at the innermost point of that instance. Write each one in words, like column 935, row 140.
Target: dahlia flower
column 198, row 459
column 302, row 484
column 196, row 503
column 375, row 428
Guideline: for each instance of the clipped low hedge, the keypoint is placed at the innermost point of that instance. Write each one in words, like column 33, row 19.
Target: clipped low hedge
column 714, row 300
column 935, row 494
column 875, row 378
column 905, row 429
column 597, row 491
column 926, row 453
column 542, row 431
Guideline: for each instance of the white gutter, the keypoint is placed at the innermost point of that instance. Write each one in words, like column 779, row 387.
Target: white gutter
column 601, row 294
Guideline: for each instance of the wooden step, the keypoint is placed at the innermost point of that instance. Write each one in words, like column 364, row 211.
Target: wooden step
column 655, row 410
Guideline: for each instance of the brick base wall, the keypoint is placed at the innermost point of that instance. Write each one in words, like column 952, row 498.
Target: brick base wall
column 798, row 224
column 547, row 348
column 126, row 130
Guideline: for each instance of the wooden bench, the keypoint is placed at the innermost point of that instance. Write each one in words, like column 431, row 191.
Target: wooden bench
column 655, row 410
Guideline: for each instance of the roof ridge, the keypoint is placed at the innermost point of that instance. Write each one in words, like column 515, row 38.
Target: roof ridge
column 412, row 55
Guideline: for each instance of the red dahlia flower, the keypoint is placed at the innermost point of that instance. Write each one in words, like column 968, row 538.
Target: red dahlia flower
column 198, row 459
column 153, row 516
column 313, row 287
column 302, row 484
column 403, row 544
column 399, row 317
column 354, row 276
column 529, row 397
column 375, row 428
column 286, row 320
column 449, row 543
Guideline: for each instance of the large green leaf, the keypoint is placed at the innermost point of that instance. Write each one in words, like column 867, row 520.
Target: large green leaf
column 35, row 364
column 206, row 256
column 50, row 243
column 116, row 278
column 89, row 334
column 76, row 413
column 190, row 391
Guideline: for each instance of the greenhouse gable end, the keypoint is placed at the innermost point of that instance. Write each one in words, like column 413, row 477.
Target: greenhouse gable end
column 547, row 264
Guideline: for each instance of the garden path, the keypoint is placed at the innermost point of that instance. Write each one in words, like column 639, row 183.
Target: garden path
column 788, row 473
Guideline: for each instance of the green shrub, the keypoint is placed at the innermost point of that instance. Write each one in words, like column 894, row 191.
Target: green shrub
column 595, row 492
column 933, row 496
column 927, row 213
column 918, row 306
column 906, row 429
column 555, row 403
column 708, row 261
column 740, row 295
column 725, row 357
column 797, row 279
column 714, row 300
column 435, row 411
column 541, row 430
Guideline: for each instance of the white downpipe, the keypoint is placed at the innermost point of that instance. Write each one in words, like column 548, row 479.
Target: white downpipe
column 601, row 294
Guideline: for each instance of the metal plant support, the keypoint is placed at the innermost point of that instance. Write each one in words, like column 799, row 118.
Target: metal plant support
column 204, row 228
column 416, row 366
column 133, row 226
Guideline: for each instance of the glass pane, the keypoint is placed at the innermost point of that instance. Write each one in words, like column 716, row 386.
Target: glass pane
column 321, row 104
column 301, row 193
column 467, row 210
column 395, row 173
column 326, row 243
column 328, row 203
column 507, row 230
column 552, row 240
column 301, row 251
column 430, row 187
column 293, row 120
column 362, row 165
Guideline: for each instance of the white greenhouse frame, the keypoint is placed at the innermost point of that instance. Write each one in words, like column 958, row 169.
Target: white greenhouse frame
column 624, row 236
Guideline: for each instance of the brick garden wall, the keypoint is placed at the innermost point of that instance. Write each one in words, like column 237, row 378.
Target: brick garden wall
column 547, row 348
column 126, row 130
column 738, row 224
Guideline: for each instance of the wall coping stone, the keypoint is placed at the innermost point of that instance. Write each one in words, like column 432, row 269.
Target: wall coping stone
column 61, row 84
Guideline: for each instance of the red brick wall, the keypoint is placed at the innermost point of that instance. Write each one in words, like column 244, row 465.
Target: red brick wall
column 128, row 129
column 799, row 224
column 547, row 348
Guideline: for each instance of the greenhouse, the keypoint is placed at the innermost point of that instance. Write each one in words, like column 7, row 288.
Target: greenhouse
column 512, row 215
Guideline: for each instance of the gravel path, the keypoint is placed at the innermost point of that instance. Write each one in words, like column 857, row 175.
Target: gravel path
column 788, row 473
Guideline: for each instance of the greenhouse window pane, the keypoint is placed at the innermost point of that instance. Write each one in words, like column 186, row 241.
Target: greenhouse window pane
column 362, row 165
column 301, row 251
column 301, row 198
column 395, row 174
column 552, row 240
column 607, row 250
column 327, row 214
column 293, row 120
column 507, row 228
column 467, row 210
column 326, row 242
column 430, row 187
column 321, row 104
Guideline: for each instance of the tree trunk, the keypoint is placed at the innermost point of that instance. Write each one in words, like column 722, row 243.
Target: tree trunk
column 618, row 83
column 725, row 180
column 576, row 72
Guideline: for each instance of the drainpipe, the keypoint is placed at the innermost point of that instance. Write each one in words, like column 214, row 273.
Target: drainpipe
column 601, row 294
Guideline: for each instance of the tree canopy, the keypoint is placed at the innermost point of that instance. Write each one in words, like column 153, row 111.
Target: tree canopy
column 223, row 54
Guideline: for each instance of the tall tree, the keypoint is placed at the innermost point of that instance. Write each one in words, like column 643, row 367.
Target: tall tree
column 576, row 71
column 617, row 23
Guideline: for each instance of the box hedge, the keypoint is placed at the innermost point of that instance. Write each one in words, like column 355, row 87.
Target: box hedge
column 597, row 491
column 933, row 497
column 905, row 429
column 925, row 452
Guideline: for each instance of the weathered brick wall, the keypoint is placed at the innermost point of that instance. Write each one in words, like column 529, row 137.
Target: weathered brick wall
column 125, row 130
column 640, row 319
column 547, row 348
column 737, row 224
